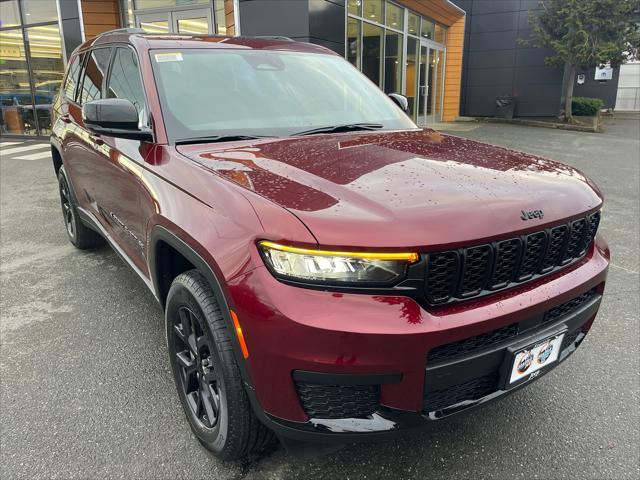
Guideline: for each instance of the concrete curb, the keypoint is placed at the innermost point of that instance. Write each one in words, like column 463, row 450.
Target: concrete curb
column 538, row 123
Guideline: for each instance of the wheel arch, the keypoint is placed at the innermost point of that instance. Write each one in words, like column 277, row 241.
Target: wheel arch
column 56, row 157
column 161, row 238
column 56, row 154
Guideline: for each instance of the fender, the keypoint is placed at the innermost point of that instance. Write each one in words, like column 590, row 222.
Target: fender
column 160, row 233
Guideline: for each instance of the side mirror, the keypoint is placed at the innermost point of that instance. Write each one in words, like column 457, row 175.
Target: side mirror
column 401, row 101
column 116, row 117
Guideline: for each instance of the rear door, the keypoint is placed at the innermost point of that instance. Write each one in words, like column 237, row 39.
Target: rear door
column 81, row 148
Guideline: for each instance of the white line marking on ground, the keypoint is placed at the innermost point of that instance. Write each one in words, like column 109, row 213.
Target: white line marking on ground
column 26, row 148
column 623, row 268
column 35, row 156
column 6, row 144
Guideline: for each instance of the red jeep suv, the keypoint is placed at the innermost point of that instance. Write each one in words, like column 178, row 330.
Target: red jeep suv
column 329, row 272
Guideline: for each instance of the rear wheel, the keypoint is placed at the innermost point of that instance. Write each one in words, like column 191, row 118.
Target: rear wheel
column 80, row 236
column 206, row 373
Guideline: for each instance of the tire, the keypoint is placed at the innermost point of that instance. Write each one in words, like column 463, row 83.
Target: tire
column 81, row 236
column 206, row 373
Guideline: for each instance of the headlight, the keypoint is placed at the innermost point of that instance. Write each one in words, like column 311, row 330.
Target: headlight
column 327, row 267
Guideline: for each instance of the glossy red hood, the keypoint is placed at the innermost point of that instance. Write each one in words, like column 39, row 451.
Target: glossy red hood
column 402, row 189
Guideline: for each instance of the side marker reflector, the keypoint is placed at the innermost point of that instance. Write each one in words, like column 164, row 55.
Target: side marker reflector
column 236, row 325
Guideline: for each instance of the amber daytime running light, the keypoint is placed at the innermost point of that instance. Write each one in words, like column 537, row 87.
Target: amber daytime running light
column 337, row 267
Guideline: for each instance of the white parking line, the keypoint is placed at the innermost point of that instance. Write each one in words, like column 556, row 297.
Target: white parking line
column 35, row 156
column 10, row 151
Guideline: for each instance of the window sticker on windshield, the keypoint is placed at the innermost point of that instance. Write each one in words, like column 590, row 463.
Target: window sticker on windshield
column 168, row 57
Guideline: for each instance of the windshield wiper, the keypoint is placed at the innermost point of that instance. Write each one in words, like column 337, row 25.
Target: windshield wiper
column 217, row 138
column 349, row 127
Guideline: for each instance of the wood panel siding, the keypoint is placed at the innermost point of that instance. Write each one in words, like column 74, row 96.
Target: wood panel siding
column 229, row 18
column 100, row 16
column 439, row 10
column 453, row 71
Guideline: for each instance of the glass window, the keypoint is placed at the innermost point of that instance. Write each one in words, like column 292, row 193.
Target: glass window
column 353, row 41
column 157, row 26
column 440, row 34
column 221, row 17
column 9, row 13
column 265, row 93
column 69, row 89
column 427, row 28
column 194, row 26
column 125, row 82
column 411, row 75
column 94, row 74
column 395, row 16
column 355, row 7
column 47, row 70
column 373, row 10
column 141, row 4
column 37, row 11
column 414, row 24
column 372, row 38
column 393, row 62
column 16, row 103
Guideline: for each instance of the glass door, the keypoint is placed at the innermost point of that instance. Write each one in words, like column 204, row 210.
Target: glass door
column 431, row 76
column 423, row 85
column 436, row 80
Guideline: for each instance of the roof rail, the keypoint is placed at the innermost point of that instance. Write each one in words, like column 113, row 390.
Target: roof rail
column 122, row 30
column 275, row 37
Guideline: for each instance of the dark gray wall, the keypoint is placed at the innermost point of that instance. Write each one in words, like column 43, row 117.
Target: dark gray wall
column 316, row 21
column 607, row 91
column 496, row 64
column 71, row 30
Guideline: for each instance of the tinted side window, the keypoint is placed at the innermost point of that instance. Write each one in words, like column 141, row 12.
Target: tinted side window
column 124, row 81
column 69, row 89
column 94, row 73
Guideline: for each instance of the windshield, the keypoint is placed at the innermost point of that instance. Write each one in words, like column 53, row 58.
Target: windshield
column 227, row 92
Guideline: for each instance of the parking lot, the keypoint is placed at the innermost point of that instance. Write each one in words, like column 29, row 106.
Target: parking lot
column 86, row 389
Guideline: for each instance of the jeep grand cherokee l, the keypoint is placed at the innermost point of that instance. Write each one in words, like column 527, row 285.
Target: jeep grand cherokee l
column 328, row 271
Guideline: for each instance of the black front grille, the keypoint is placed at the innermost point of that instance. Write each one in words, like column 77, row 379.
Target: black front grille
column 470, row 272
column 338, row 401
column 501, row 335
column 472, row 390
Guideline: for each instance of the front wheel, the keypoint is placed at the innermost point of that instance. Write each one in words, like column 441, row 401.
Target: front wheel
column 206, row 373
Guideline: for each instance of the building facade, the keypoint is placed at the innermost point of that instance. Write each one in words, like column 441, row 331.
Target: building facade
column 497, row 63
column 412, row 47
column 448, row 57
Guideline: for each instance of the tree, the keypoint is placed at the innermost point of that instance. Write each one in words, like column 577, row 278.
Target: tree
column 584, row 33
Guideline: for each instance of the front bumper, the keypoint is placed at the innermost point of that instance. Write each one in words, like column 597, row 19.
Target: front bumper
column 389, row 356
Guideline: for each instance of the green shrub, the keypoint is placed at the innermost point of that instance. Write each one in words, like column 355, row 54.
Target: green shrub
column 585, row 106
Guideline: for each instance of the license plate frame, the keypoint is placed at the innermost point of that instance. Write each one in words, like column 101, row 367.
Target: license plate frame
column 531, row 359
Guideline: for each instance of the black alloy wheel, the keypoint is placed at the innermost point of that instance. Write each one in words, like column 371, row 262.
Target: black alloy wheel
column 193, row 355
column 68, row 213
column 206, row 372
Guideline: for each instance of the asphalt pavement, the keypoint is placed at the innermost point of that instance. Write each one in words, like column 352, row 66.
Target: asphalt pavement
column 86, row 390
